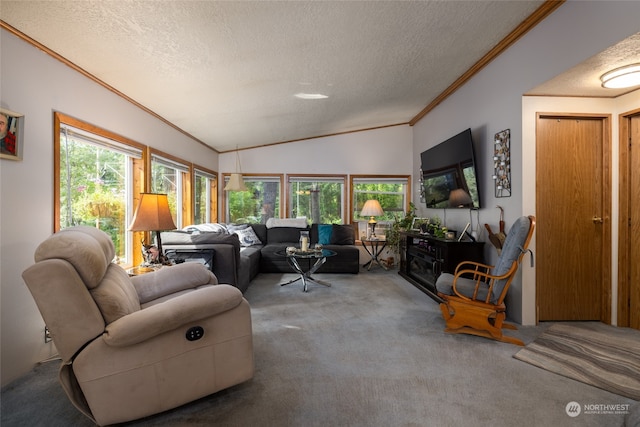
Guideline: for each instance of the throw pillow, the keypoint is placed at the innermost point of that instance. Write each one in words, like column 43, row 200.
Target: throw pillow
column 324, row 233
column 247, row 237
column 231, row 228
column 342, row 235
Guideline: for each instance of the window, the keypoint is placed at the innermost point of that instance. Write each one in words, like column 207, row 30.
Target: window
column 319, row 198
column 205, row 197
column 170, row 175
column 391, row 191
column 95, row 181
column 259, row 203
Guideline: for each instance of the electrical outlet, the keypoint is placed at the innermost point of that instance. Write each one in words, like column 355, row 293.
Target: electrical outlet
column 47, row 335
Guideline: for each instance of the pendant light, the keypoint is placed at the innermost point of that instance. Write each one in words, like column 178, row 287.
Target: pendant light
column 236, row 183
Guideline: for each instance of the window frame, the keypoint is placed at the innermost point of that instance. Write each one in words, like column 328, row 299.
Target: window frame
column 212, row 190
column 353, row 179
column 132, row 240
column 185, row 170
column 321, row 178
column 250, row 176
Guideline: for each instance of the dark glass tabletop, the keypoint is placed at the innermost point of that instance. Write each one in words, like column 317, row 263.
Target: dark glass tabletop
column 324, row 253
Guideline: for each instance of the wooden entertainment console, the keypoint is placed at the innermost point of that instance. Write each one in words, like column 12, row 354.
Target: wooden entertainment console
column 423, row 258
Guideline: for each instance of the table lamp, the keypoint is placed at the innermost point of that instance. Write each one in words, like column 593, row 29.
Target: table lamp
column 153, row 214
column 372, row 209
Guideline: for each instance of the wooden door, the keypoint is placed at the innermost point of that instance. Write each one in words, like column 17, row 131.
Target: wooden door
column 629, row 222
column 572, row 210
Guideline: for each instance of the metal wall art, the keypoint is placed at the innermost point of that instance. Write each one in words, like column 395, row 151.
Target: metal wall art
column 502, row 163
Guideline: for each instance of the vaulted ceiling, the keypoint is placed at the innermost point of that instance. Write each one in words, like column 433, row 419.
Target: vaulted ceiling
column 227, row 72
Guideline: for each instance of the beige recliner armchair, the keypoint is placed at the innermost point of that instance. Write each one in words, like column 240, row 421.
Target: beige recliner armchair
column 132, row 347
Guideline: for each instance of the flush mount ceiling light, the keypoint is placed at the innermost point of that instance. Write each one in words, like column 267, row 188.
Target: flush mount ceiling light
column 310, row 96
column 622, row 77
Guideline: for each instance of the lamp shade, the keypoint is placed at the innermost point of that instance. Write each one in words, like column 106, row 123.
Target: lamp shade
column 372, row 208
column 459, row 198
column 153, row 214
column 236, row 183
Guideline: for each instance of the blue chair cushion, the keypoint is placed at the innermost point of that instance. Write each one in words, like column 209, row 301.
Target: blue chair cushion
column 511, row 250
column 464, row 286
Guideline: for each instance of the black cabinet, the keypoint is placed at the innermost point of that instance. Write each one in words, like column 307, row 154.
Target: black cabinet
column 424, row 258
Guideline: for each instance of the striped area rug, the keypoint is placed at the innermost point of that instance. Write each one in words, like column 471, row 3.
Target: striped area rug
column 604, row 356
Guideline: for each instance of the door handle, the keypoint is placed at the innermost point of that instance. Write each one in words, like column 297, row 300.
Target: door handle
column 597, row 220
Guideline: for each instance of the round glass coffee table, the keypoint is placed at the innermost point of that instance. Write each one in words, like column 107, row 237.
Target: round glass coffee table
column 318, row 258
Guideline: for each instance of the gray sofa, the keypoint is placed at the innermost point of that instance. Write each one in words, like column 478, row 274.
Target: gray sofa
column 237, row 259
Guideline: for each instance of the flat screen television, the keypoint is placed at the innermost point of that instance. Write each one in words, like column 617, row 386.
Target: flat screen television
column 450, row 166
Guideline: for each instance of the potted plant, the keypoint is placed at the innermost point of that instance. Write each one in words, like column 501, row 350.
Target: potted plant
column 399, row 225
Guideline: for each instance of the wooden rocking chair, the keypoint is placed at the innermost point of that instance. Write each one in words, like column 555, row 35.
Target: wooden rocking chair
column 474, row 304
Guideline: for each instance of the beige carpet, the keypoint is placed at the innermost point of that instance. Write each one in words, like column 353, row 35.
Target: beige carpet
column 604, row 356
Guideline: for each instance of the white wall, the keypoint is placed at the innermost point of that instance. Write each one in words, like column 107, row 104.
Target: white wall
column 492, row 101
column 380, row 151
column 36, row 85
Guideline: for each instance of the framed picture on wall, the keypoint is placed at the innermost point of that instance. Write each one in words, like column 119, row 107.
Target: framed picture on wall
column 11, row 134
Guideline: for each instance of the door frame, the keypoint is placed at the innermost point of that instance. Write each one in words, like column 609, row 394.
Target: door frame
column 624, row 240
column 606, row 179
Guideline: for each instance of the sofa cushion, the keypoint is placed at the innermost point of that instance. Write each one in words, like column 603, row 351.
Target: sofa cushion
column 273, row 260
column 261, row 232
column 346, row 260
column 343, row 235
column 284, row 234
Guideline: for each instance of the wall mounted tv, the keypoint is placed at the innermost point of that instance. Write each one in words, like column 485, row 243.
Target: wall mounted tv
column 450, row 166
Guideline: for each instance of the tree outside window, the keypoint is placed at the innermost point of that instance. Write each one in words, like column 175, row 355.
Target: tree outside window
column 320, row 199
column 258, row 204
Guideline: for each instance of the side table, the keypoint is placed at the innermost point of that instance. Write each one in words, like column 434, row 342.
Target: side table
column 374, row 249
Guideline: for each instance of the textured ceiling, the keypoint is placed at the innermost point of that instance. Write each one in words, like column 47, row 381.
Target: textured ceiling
column 227, row 72
column 584, row 78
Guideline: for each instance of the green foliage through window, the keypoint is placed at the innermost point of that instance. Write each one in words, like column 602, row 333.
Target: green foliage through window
column 392, row 195
column 318, row 200
column 93, row 182
column 259, row 203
